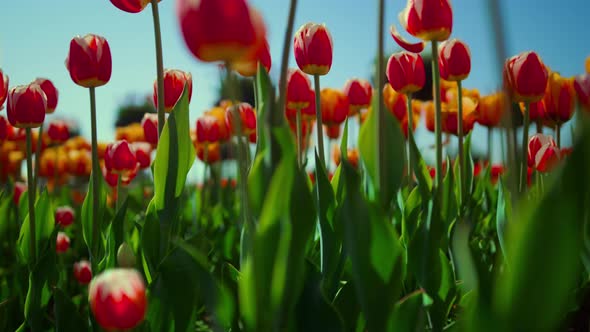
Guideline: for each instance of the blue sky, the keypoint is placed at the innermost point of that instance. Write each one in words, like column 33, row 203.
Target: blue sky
column 36, row 35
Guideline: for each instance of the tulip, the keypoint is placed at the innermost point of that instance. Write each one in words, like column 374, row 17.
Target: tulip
column 64, row 216
column 220, row 30
column 588, row 65
column 149, row 123
column 333, row 131
column 559, row 98
column 582, row 87
column 19, row 189
column 5, row 127
column 50, row 92
column 496, row 172
column 247, row 120
column 142, row 154
column 219, row 114
column 3, row 88
column 131, row 6
column 490, row 109
column 174, row 83
column 566, row 152
column 79, row 163
column 450, row 116
column 454, row 60
column 58, row 131
column 120, row 158
column 405, row 72
column 359, row 93
column 83, row 272
column 208, row 153
column 248, row 66
column 62, row 243
column 207, row 129
column 89, row 61
column 117, row 299
column 334, row 105
column 125, row 256
column 395, row 102
column 313, row 49
column 525, row 77
column 429, row 20
column 352, row 155
column 307, row 113
column 536, row 143
column 112, row 179
column 298, row 90
column 27, row 105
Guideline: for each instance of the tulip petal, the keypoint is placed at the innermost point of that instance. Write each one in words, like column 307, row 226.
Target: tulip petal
column 414, row 48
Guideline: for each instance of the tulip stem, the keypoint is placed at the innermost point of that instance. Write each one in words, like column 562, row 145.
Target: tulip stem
column 437, row 115
column 460, row 146
column 410, row 132
column 320, row 127
column 118, row 200
column 299, row 157
column 204, row 188
column 525, row 136
column 558, row 135
column 379, row 132
column 95, row 178
column 38, row 156
column 55, row 172
column 31, row 195
column 539, row 126
column 490, row 133
column 159, row 66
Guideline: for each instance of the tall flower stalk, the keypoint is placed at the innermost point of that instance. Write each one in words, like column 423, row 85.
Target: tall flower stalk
column 159, row 65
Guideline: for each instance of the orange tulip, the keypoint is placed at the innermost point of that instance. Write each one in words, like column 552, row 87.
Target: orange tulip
column 559, row 98
column 89, row 61
column 334, row 106
column 395, row 102
column 455, row 60
column 213, row 152
column 449, row 116
column 50, row 92
column 79, row 163
column 429, row 115
column 525, row 77
column 491, row 108
column 53, row 161
column 405, row 72
column 27, row 105
column 313, row 49
column 174, row 83
column 352, row 155
column 248, row 66
column 359, row 93
column 405, row 124
column 219, row 114
column 131, row 133
column 582, row 87
column 588, row 65
column 428, row 19
column 77, row 143
column 307, row 113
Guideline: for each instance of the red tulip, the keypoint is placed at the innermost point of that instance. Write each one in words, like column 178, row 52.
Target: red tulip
column 248, row 118
column 428, row 19
column 64, row 216
column 19, row 189
column 405, row 72
column 112, row 178
column 298, row 90
column 149, row 123
column 543, row 153
column 51, row 93
column 213, row 153
column 525, row 77
column 333, row 131
column 83, row 272
column 89, row 61
column 143, row 152
column 131, row 6
column 117, row 299
column 207, row 129
column 313, row 49
column 248, row 66
column 216, row 30
column 120, row 158
column 3, row 87
column 559, row 98
column 582, row 87
column 359, row 93
column 395, row 102
column 566, row 152
column 4, row 128
column 27, row 105
column 58, row 131
column 496, row 172
column 334, row 106
column 63, row 243
column 455, row 60
column 537, row 110
column 307, row 113
column 174, row 82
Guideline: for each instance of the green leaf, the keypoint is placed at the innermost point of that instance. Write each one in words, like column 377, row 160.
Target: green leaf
column 87, row 222
column 150, row 241
column 5, row 207
column 40, row 274
column 409, row 314
column 44, row 225
column 67, row 317
column 421, row 171
column 264, row 97
column 502, row 216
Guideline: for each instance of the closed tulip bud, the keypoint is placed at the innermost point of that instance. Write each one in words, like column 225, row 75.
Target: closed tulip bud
column 491, row 109
column 213, row 152
column 174, row 82
column 50, row 92
column 83, row 272
column 395, row 102
column 428, row 19
column 216, row 30
column 4, row 128
column 332, row 131
column 334, row 106
column 541, row 152
column 143, row 152
column 313, row 49
column 64, row 216
column 63, row 243
column 27, row 105
column 19, row 189
column 125, row 255
column 247, row 118
column 131, row 6
column 219, row 114
column 525, row 77
column 537, row 110
column 248, row 66
column 582, row 87
column 58, row 131
column 298, row 90
column 3, row 88
column 207, row 129
column 89, row 61
column 455, row 60
column 149, row 123
column 559, row 98
column 496, row 171
column 359, row 93
column 117, row 299
column 450, row 115
column 405, row 72
column 120, row 158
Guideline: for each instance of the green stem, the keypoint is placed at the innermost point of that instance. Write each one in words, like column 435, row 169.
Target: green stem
column 56, row 173
column 437, row 115
column 95, row 179
column 118, row 200
column 490, row 133
column 460, row 147
column 320, row 127
column 298, row 138
column 38, row 156
column 380, row 83
column 204, row 188
column 539, row 126
column 525, row 137
column 410, row 132
column 31, row 195
column 159, row 66
column 558, row 135
column 285, row 59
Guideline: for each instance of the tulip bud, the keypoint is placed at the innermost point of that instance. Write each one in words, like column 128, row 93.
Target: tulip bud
column 58, row 131
column 117, row 299
column 216, row 30
column 313, row 49
column 332, row 131
column 298, row 90
column 143, row 152
column 3, row 88
column 559, row 98
column 248, row 66
column 174, row 82
column 247, row 117
column 125, row 256
column 112, row 178
column 525, row 77
column 359, row 93
column 455, row 60
column 588, row 65
column 582, row 87
column 83, row 272
column 496, row 172
column 334, row 106
column 428, row 19
column 19, row 189
column 120, row 158
column 395, row 102
column 149, row 123
column 4, row 128
column 543, row 153
column 27, row 105
column 64, row 216
column 63, row 243
column 131, row 6
column 405, row 72
column 213, row 153
column 89, row 61
column 491, row 108
column 50, row 92
column 207, row 129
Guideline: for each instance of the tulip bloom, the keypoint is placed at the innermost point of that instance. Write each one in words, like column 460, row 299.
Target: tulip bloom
column 307, row 112
column 174, row 82
column 334, row 105
column 117, row 299
column 27, row 105
column 582, row 87
column 213, row 154
column 352, row 155
column 491, row 108
column 50, row 92
column 120, row 158
column 359, row 93
column 207, row 129
column 216, row 30
column 219, row 114
column 19, row 189
column 5, row 127
column 395, row 102
column 247, row 116
column 429, row 20
column 112, row 179
column 543, row 153
column 405, row 72
column 58, row 131
column 313, row 49
column 333, row 131
column 131, row 6
column 83, row 272
column 454, row 60
column 79, row 163
column 64, row 216
column 89, row 61
column 450, row 116
column 298, row 90
column 3, row 88
column 149, row 123
column 248, row 66
column 62, row 243
column 525, row 77
column 559, row 98
column 142, row 154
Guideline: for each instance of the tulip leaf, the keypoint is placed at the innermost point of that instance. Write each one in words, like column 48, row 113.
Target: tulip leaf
column 67, row 317
column 409, row 313
column 44, row 225
column 264, row 102
column 87, row 222
column 420, row 171
column 5, row 207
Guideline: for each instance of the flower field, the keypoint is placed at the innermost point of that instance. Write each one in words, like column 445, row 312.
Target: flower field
column 330, row 219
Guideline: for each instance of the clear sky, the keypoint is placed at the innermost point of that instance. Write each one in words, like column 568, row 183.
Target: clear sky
column 36, row 34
